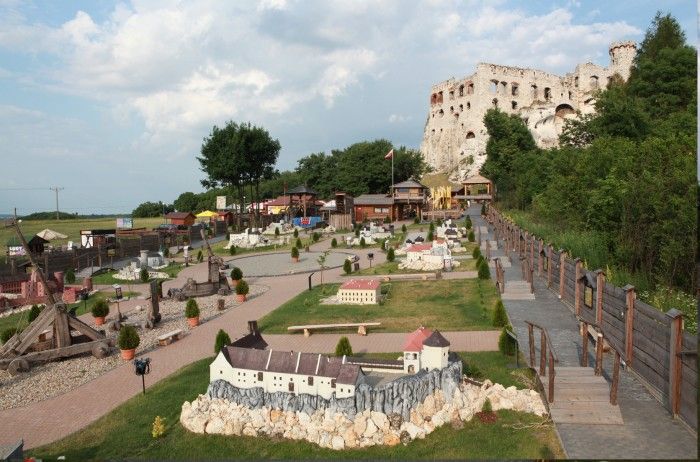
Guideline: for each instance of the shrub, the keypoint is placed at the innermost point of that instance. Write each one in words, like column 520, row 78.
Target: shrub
column 500, row 317
column 315, row 236
column 334, row 243
column 296, row 232
column 357, row 232
column 403, row 228
column 277, row 231
column 34, row 312
column 158, row 429
column 390, row 254
column 431, row 227
column 69, row 276
column 416, row 220
column 487, row 406
column 343, row 347
column 431, row 236
column 362, row 242
column 200, row 256
column 471, row 236
column 347, row 266
column 8, row 333
column 242, row 288
column 468, row 223
column 236, row 273
column 232, row 250
column 222, row 339
column 483, row 209
column 191, row 308
column 476, row 253
column 297, row 244
column 439, row 222
column 387, row 220
column 143, row 274
column 128, row 338
column 484, row 272
column 166, row 252
column 295, row 252
column 100, row 309
column 506, row 344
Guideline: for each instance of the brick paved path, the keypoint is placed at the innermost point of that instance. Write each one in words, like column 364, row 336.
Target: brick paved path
column 648, row 432
column 52, row 419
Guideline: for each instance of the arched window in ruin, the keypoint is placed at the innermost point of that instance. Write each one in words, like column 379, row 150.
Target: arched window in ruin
column 470, row 88
column 452, row 109
column 514, row 88
column 514, row 104
column 504, row 88
column 610, row 80
column 470, row 135
column 441, row 113
column 456, row 115
column 563, row 110
column 432, row 131
column 439, row 99
column 469, row 105
column 493, row 88
column 534, row 92
column 495, row 102
column 569, row 95
column 433, row 98
column 461, row 90
column 576, row 82
column 547, row 93
column 594, row 82
column 452, row 94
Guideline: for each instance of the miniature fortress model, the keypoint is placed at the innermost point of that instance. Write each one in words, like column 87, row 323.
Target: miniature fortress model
column 360, row 292
column 432, row 256
column 455, row 137
column 149, row 260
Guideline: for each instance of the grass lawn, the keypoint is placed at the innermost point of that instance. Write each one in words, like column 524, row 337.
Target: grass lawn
column 447, row 305
column 125, row 433
column 70, row 228
column 173, row 269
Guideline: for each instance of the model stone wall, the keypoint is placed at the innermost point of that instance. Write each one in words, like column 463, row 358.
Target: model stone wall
column 455, row 137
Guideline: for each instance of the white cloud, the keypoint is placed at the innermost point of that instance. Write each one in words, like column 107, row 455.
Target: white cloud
column 399, row 118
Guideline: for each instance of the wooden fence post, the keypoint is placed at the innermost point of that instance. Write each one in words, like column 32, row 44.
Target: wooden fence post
column 577, row 290
column 674, row 358
column 562, row 266
column 599, row 353
column 531, row 339
column 543, row 352
column 615, row 379
column 540, row 246
column 549, row 265
column 600, row 284
column 630, row 296
column 584, row 343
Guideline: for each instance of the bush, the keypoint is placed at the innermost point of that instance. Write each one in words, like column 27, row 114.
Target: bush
column 484, row 271
column 166, row 252
column 431, row 236
column 387, row 220
column 500, row 317
column 128, row 338
column 347, row 266
column 315, row 236
column 191, row 308
column 483, row 209
column 236, row 273
column 403, row 228
column 431, row 227
column 362, row 242
column 343, row 347
column 357, row 232
column 506, row 344
column 468, row 223
column 34, row 312
column 69, row 276
column 334, row 243
column 487, row 407
column 158, row 429
column 242, row 288
column 143, row 274
column 471, row 236
column 222, row 339
column 200, row 256
column 8, row 333
column 295, row 252
column 416, row 220
column 476, row 253
column 296, row 232
column 297, row 244
column 277, row 231
column 232, row 250
column 100, row 309
column 390, row 254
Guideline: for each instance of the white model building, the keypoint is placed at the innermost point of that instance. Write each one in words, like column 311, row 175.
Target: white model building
column 425, row 350
column 360, row 292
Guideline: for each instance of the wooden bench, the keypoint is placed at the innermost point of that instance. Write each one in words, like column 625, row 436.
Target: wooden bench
column 361, row 327
column 170, row 337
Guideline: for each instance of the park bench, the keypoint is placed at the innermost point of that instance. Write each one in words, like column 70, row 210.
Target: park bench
column 170, row 337
column 361, row 327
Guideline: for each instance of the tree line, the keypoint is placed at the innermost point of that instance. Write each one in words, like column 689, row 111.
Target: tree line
column 627, row 173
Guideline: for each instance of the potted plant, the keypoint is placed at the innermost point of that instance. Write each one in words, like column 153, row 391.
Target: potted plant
column 295, row 254
column 242, row 290
column 128, row 342
column 192, row 312
column 100, row 310
column 236, row 275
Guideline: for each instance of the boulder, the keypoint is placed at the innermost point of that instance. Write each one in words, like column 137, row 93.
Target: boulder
column 215, row 426
column 404, row 437
column 391, row 439
column 380, row 419
column 337, row 443
column 413, row 430
column 370, row 430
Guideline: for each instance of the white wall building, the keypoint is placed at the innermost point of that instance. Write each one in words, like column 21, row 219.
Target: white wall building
column 425, row 350
column 360, row 292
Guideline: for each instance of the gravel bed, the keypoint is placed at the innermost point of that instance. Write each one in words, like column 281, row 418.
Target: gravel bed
column 53, row 379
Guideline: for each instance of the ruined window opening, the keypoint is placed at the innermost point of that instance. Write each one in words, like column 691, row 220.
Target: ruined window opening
column 493, row 88
column 576, row 82
column 452, row 109
column 461, row 90
column 440, row 97
column 569, row 95
column 514, row 89
column 433, row 131
column 470, row 135
column 495, row 102
column 504, row 87
column 534, row 92
column 452, row 94
column 547, row 93
column 470, row 88
column 594, row 82
column 332, row 383
column 461, row 107
column 456, row 115
column 610, row 79
column 469, row 105
column 433, row 98
column 514, row 104
column 441, row 112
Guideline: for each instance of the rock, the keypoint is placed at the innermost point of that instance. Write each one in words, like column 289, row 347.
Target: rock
column 370, row 430
column 215, row 426
column 429, row 405
column 379, row 419
column 391, row 439
column 404, row 437
column 337, row 443
column 457, row 424
column 360, row 424
column 416, row 419
column 395, row 421
column 257, row 420
column 328, row 425
column 249, row 431
column 487, row 384
column 325, row 440
column 197, row 423
column 506, row 404
column 350, row 438
column 413, row 430
column 275, row 415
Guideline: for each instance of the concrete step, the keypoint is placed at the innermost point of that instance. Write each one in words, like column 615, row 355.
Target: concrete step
column 517, row 290
column 504, row 262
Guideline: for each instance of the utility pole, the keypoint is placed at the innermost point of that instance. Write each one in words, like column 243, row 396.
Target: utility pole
column 56, row 189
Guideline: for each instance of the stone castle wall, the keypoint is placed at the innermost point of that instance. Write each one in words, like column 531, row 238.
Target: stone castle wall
column 454, row 140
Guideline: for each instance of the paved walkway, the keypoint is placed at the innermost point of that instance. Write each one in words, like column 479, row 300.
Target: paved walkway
column 54, row 418
column 648, row 432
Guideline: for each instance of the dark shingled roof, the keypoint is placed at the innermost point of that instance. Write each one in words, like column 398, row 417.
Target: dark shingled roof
column 375, row 362
column 246, row 358
column 253, row 340
column 283, row 361
column 307, row 363
column 374, row 199
column 178, row 215
column 303, row 189
column 436, row 340
column 348, row 374
column 409, row 184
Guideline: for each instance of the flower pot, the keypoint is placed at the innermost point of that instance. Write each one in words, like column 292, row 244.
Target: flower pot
column 240, row 298
column 193, row 322
column 295, row 259
column 128, row 354
column 99, row 320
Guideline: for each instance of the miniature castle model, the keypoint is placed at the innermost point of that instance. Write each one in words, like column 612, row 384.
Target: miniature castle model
column 425, row 350
column 455, row 137
column 360, row 292
column 428, row 257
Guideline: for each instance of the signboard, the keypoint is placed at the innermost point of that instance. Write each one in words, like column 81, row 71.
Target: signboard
column 220, row 202
column 111, row 252
column 125, row 223
column 306, row 222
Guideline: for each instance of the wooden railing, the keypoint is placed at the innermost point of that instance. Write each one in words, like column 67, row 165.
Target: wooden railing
column 500, row 275
column 600, row 338
column 528, row 273
column 547, row 356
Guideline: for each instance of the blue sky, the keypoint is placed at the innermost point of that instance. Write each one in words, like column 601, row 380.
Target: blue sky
column 111, row 100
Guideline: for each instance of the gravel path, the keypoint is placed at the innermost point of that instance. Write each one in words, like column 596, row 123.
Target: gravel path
column 52, row 379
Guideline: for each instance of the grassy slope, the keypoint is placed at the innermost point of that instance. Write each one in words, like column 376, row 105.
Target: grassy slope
column 446, row 305
column 125, row 433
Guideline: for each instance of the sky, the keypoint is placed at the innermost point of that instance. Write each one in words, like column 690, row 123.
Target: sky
column 111, row 100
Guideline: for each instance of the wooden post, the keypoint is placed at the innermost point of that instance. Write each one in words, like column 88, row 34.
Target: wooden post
column 584, row 344
column 599, row 353
column 674, row 358
column 562, row 265
column 531, row 339
column 577, row 285
column 630, row 296
column 540, row 245
column 549, row 265
column 532, row 251
column 615, row 379
column 543, row 352
column 600, row 284
column 551, row 378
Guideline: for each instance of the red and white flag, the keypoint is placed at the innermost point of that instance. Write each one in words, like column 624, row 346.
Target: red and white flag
column 390, row 154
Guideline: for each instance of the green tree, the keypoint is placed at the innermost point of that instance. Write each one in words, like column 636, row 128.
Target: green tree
column 143, row 274
column 500, row 318
column 506, row 344
column 222, row 339
column 343, row 348
column 187, row 202
column 347, row 266
column 483, row 270
column 34, row 313
column 390, row 254
column 151, row 209
column 69, row 276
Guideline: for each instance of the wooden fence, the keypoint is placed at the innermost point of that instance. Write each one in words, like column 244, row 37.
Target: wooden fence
column 655, row 346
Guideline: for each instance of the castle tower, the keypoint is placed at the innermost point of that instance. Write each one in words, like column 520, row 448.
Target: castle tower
column 435, row 351
column 621, row 58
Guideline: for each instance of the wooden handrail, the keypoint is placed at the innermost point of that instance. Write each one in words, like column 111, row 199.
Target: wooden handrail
column 549, row 343
column 547, row 358
column 599, row 356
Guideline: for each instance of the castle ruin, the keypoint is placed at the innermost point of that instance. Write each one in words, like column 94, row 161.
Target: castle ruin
column 455, row 136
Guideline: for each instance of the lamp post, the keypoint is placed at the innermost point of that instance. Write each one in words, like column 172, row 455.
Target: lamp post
column 142, row 367
column 370, row 256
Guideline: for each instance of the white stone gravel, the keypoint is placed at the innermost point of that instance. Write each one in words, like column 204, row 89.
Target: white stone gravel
column 53, row 379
